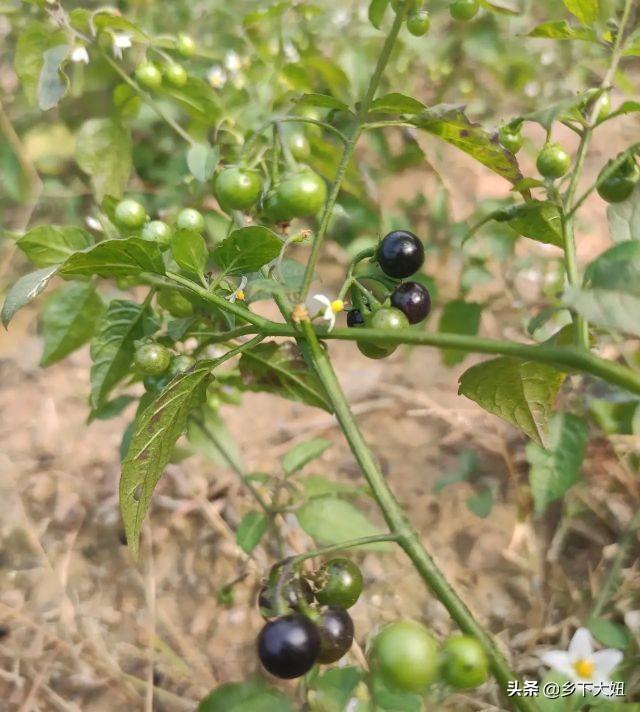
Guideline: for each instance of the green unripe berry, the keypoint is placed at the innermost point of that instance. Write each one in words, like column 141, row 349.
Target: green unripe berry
column 158, row 231
column 152, row 359
column 148, row 75
column 176, row 75
column 190, row 219
column 464, row 662
column 419, row 23
column 185, row 45
column 510, row 138
column 130, row 214
column 464, row 10
column 299, row 146
column 553, row 161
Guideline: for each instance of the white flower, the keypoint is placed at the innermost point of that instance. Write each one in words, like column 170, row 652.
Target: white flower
column 232, row 62
column 217, row 77
column 331, row 308
column 238, row 293
column 290, row 51
column 121, row 40
column 79, row 54
column 93, row 223
column 581, row 663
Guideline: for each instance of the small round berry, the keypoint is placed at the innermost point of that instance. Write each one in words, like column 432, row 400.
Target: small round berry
column 389, row 318
column 510, row 138
column 130, row 214
column 185, row 45
column 238, row 188
column 181, row 364
column 375, row 351
column 619, row 186
column 400, row 254
column 355, row 318
column 464, row 10
column 274, row 210
column 174, row 301
column 176, row 75
column 158, row 231
column 336, row 634
column 413, row 300
column 299, row 146
column 152, row 359
column 338, row 583
column 288, row 647
column 406, row 655
column 419, row 23
column 553, row 161
column 464, row 662
column 190, row 219
column 414, row 5
column 302, row 194
column 293, row 591
column 148, row 75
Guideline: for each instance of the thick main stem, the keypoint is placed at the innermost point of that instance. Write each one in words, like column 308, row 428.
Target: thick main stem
column 398, row 522
column 349, row 148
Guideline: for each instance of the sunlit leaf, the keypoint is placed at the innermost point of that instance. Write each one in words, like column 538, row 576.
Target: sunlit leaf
column 115, row 258
column 247, row 249
column 24, row 290
column 49, row 244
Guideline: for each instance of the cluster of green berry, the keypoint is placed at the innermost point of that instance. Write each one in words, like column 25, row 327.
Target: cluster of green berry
column 130, row 215
column 151, row 76
column 308, row 624
column 419, row 20
column 307, row 619
column 400, row 254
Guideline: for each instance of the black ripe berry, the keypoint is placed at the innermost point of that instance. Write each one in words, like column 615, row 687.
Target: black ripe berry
column 413, row 300
column 336, row 634
column 400, row 254
column 355, row 318
column 289, row 647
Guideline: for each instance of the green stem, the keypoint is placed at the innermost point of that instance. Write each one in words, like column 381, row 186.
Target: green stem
column 568, row 232
column 398, row 522
column 349, row 149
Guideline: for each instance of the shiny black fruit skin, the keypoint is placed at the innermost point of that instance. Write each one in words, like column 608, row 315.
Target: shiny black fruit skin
column 336, row 634
column 413, row 300
column 291, row 593
column 355, row 318
column 289, row 647
column 400, row 254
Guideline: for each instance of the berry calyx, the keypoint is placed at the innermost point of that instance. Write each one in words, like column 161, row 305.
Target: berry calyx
column 400, row 254
column 406, row 655
column 413, row 300
column 464, row 10
column 152, row 359
column 418, row 23
column 158, row 231
column 288, row 647
column 148, row 75
column 238, row 188
column 464, row 662
column 130, row 214
column 553, row 161
column 336, row 634
column 190, row 219
column 338, row 583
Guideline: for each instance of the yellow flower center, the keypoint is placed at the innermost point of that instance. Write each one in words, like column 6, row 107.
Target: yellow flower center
column 337, row 305
column 584, row 669
column 240, row 295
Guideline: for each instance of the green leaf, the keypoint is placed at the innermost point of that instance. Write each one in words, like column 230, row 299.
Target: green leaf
column 467, row 463
column 520, row 392
column 322, row 101
column 459, row 317
column 246, row 250
column 499, row 8
column 202, row 160
column 303, row 453
column 24, row 290
column 189, row 250
column 115, row 258
column 49, row 244
column 155, row 434
column 331, row 520
column 251, row 696
column 396, row 103
column 624, row 218
column 537, row 220
column 33, row 42
column 450, row 124
column 377, row 10
column 481, row 503
column 334, row 688
column 609, row 634
column 108, row 19
column 112, row 408
column 611, row 297
column 555, row 469
column 103, row 151
column 69, row 320
column 391, row 699
column 281, row 369
column 112, row 348
column 317, row 485
column 562, row 30
column 251, row 530
column 53, row 82
column 585, row 10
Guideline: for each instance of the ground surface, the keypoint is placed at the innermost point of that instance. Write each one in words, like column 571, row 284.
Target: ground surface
column 84, row 628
